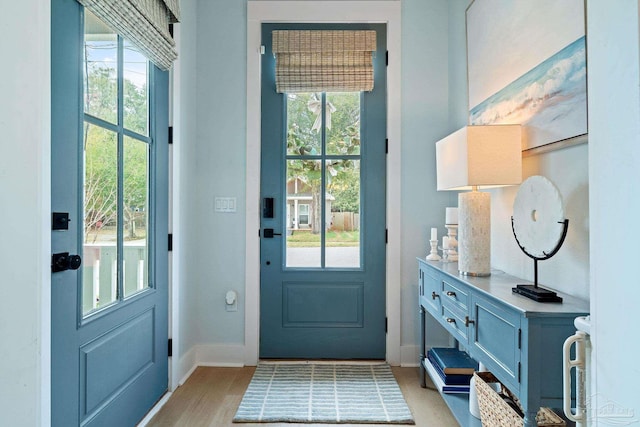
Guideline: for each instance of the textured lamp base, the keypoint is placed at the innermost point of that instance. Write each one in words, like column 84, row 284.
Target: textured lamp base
column 474, row 233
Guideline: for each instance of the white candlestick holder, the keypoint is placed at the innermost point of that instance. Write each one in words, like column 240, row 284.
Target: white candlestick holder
column 452, row 252
column 433, row 255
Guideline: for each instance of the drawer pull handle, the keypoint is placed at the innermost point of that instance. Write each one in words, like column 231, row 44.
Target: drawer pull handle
column 451, row 320
column 451, row 294
column 468, row 321
column 434, row 295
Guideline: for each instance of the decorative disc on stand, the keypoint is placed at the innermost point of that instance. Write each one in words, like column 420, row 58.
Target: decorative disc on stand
column 540, row 228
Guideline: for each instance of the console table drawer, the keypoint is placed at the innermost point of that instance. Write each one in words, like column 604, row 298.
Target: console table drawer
column 454, row 322
column 455, row 294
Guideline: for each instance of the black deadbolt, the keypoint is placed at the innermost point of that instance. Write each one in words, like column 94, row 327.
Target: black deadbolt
column 60, row 221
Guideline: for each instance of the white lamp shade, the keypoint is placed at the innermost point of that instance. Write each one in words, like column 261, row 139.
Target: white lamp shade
column 485, row 156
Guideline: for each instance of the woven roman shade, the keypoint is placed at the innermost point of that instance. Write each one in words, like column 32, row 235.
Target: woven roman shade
column 145, row 23
column 324, row 60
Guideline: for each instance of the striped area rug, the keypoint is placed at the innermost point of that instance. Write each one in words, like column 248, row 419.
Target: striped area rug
column 323, row 393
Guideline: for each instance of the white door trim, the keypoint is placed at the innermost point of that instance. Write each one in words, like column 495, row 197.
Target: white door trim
column 388, row 12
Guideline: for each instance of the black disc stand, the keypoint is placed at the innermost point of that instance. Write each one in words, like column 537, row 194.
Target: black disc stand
column 534, row 291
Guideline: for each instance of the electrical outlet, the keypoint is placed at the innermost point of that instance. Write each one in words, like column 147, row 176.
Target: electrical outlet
column 231, row 301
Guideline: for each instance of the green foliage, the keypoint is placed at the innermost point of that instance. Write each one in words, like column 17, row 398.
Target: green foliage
column 305, row 239
column 100, row 180
column 101, row 156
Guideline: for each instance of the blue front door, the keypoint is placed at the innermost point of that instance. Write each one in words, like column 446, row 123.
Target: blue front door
column 109, row 182
column 322, row 282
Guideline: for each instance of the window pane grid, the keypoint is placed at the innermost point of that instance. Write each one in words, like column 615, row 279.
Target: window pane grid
column 118, row 264
column 323, row 157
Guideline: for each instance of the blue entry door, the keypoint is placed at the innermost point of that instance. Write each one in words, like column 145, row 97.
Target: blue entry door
column 109, row 207
column 322, row 275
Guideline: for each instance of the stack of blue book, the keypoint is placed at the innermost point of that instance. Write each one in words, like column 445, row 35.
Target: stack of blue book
column 450, row 369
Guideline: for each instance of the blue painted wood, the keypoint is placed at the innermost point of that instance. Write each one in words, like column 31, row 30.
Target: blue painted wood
column 517, row 339
column 110, row 368
column 98, row 384
column 353, row 328
column 495, row 334
column 345, row 300
column 431, row 289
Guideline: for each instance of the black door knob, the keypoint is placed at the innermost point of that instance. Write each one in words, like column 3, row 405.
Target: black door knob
column 74, row 262
column 63, row 261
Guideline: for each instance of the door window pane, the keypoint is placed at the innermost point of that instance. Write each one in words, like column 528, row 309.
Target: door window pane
column 304, row 204
column 136, row 94
column 323, row 218
column 100, row 69
column 343, row 123
column 135, row 209
column 304, row 124
column 343, row 213
column 117, row 168
column 100, row 248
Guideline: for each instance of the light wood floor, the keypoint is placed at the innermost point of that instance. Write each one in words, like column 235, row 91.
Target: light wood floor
column 210, row 398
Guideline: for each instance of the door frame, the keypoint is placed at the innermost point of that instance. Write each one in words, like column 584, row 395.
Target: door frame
column 258, row 12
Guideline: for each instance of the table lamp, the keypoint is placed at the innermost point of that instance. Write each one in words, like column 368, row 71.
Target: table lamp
column 470, row 158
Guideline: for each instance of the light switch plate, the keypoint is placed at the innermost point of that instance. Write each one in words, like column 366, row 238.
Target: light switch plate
column 225, row 204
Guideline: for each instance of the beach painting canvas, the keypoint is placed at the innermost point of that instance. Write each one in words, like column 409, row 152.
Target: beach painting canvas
column 527, row 65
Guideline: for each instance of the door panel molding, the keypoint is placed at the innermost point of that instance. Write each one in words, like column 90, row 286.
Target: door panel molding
column 134, row 335
column 346, row 300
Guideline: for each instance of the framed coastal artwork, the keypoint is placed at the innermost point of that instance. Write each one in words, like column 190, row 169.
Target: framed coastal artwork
column 527, row 65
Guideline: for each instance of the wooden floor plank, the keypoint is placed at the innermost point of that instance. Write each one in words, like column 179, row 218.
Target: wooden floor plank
column 211, row 396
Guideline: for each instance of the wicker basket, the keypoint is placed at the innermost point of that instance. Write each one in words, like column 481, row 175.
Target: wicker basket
column 496, row 412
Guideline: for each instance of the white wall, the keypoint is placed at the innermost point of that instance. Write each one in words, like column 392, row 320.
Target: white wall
column 221, row 122
column 568, row 270
column 614, row 159
column 25, row 213
column 425, row 94
column 185, row 183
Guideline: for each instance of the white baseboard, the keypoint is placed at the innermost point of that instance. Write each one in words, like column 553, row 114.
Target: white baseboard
column 156, row 408
column 186, row 366
column 409, row 355
column 233, row 356
column 226, row 356
column 220, row 355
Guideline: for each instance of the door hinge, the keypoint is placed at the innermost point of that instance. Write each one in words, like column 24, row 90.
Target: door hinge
column 170, row 347
column 170, row 135
column 262, row 50
column 519, row 366
column 170, row 242
column 519, row 339
column 171, row 30
column 386, row 325
column 387, row 58
column 386, row 146
column 386, row 235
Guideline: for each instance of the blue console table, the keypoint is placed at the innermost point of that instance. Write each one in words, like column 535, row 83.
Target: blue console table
column 519, row 340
